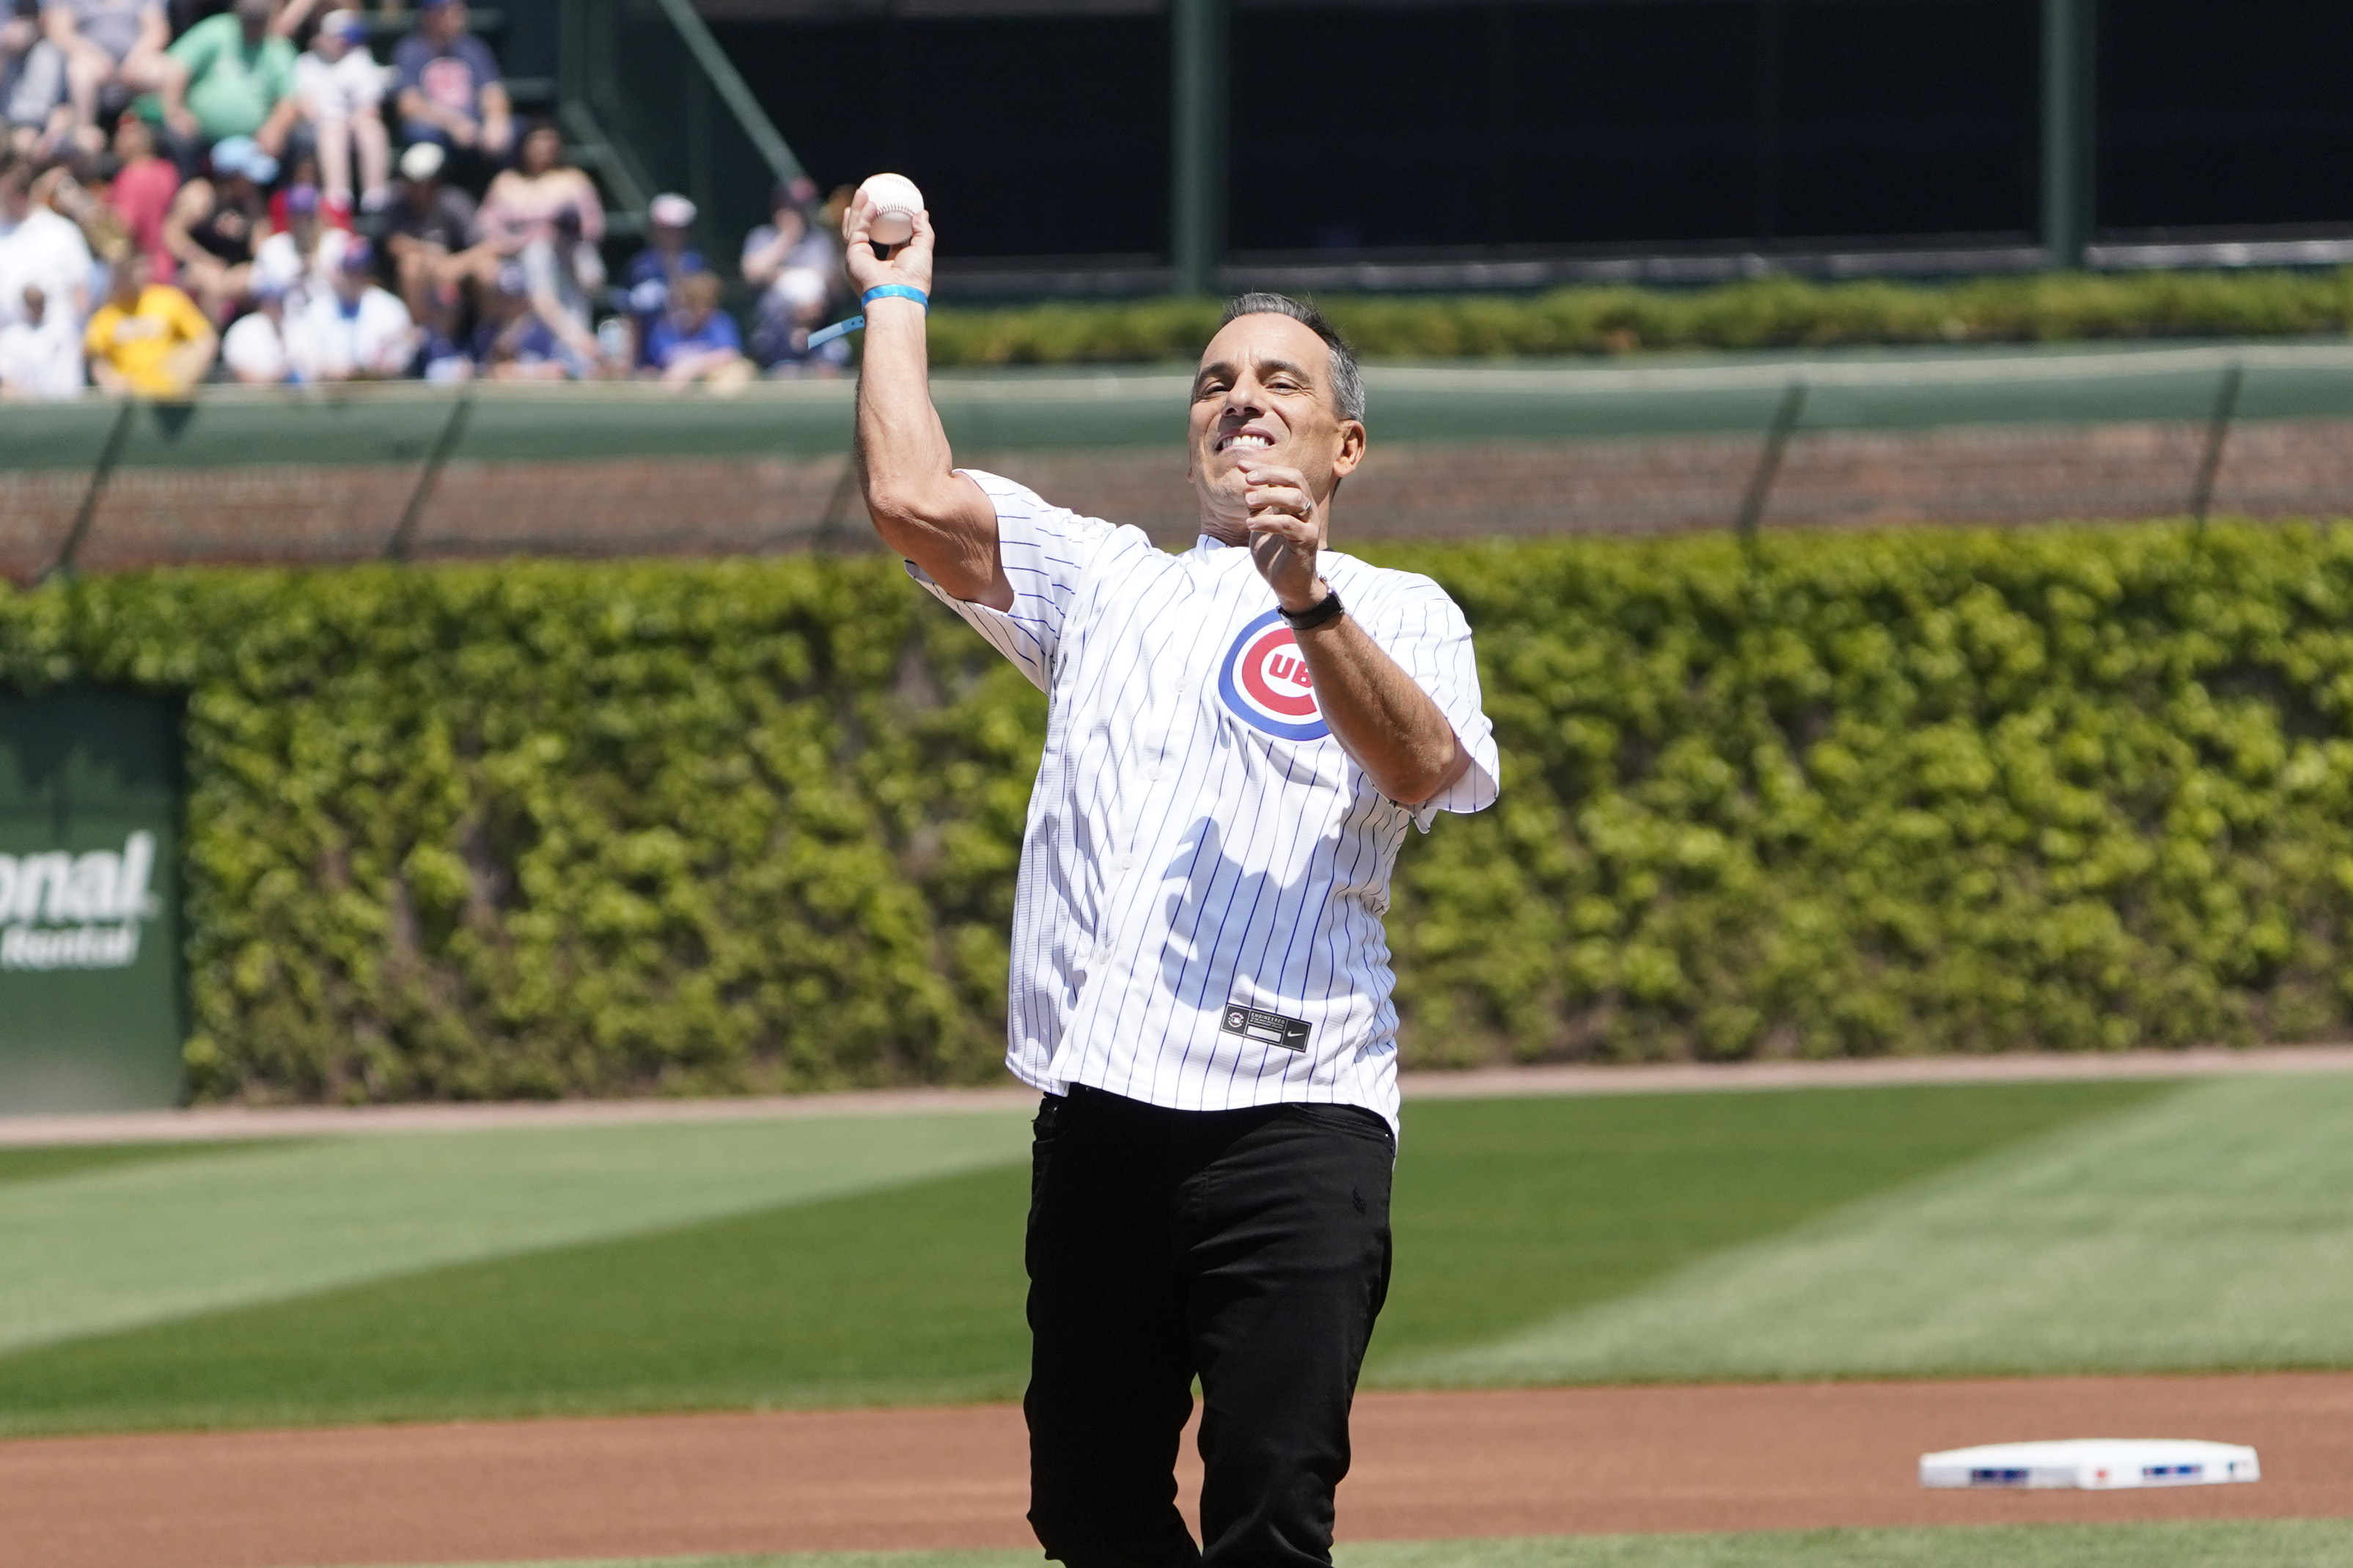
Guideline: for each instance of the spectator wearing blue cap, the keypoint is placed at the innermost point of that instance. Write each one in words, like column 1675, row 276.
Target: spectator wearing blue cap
column 354, row 330
column 215, row 225
column 450, row 91
column 301, row 258
column 695, row 340
column 229, row 76
column 654, row 271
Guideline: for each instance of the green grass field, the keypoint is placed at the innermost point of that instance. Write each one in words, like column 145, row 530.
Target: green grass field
column 36, row 1163
column 2209, row 1230
column 812, row 1263
column 2278, row 1544
column 1790, row 1234
column 142, row 1240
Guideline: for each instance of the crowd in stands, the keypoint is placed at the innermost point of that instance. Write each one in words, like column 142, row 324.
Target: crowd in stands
column 253, row 197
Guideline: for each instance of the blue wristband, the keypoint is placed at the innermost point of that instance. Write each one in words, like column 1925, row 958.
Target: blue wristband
column 856, row 323
column 824, row 335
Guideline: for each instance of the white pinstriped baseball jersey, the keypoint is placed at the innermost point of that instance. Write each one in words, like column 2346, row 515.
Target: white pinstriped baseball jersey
column 1199, row 918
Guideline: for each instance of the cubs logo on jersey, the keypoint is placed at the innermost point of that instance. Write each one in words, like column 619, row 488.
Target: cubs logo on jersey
column 1264, row 682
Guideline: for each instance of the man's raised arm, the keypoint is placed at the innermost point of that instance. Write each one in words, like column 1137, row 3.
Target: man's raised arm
column 923, row 508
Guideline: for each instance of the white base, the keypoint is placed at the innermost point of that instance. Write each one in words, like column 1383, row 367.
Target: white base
column 2094, row 1464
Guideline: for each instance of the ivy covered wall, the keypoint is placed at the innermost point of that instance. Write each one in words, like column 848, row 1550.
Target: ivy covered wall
column 556, row 828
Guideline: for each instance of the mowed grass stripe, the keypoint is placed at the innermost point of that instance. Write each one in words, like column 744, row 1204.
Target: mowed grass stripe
column 910, row 1294
column 2254, row 1543
column 48, row 1164
column 2211, row 1231
column 129, row 1245
column 1508, row 1211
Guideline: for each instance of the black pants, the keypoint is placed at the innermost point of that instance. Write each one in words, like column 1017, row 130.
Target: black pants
column 1250, row 1248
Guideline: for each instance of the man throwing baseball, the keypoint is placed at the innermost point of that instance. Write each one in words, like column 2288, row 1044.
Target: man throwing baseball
column 1236, row 738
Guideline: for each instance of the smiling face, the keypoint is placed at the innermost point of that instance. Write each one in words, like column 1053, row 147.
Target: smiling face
column 1263, row 396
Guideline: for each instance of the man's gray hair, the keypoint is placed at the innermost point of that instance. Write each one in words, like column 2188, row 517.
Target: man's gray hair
column 1347, row 381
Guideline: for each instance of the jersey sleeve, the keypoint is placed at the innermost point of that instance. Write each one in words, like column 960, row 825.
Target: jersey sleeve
column 1421, row 628
column 1047, row 550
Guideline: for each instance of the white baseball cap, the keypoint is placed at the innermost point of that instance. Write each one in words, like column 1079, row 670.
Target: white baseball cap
column 802, row 286
column 422, row 161
column 671, row 210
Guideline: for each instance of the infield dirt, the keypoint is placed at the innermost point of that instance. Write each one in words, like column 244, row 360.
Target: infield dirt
column 1436, row 1465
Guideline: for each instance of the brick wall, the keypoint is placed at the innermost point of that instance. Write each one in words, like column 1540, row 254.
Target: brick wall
column 1635, row 485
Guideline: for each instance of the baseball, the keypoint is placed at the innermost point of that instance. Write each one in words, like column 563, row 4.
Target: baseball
column 896, row 202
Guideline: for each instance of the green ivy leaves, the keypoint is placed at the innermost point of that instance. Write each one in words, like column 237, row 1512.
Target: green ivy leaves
column 541, row 829
column 549, row 828
column 1934, row 791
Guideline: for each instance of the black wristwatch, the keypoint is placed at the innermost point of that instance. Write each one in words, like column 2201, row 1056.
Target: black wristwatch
column 1327, row 608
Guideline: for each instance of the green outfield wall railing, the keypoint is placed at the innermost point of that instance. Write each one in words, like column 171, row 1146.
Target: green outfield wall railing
column 359, row 471
column 1010, row 410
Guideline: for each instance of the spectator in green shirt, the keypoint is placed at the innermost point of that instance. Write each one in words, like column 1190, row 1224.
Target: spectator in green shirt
column 231, row 75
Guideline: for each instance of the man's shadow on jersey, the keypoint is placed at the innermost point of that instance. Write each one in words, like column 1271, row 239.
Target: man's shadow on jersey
column 1218, row 896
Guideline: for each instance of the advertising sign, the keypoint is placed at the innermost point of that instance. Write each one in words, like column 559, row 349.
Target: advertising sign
column 92, row 1010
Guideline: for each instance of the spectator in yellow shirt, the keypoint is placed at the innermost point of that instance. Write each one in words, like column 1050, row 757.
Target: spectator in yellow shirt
column 148, row 339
